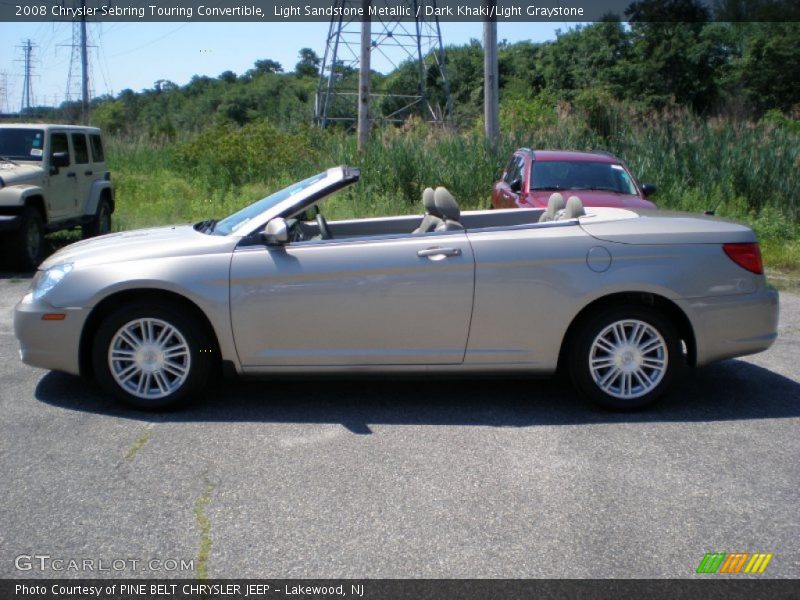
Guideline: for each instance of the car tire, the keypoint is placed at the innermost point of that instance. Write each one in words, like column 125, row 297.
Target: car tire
column 25, row 247
column 625, row 357
column 100, row 223
column 152, row 357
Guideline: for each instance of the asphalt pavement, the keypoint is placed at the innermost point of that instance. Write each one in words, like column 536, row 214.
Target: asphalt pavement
column 400, row 478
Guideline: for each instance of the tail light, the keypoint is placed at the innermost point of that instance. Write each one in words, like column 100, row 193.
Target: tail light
column 747, row 256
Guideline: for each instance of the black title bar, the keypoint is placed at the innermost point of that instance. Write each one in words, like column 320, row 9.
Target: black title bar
column 404, row 10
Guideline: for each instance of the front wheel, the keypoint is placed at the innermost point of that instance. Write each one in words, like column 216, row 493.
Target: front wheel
column 26, row 246
column 625, row 358
column 151, row 357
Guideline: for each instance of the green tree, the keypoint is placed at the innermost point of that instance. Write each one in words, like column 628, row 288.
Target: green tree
column 308, row 66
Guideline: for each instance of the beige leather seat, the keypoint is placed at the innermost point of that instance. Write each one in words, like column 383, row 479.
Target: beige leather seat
column 554, row 204
column 432, row 217
column 573, row 210
column 448, row 209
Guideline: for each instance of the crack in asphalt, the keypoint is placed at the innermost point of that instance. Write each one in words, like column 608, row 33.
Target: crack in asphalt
column 204, row 524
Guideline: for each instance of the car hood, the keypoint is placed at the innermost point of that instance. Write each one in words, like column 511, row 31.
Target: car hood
column 14, row 174
column 140, row 244
column 592, row 198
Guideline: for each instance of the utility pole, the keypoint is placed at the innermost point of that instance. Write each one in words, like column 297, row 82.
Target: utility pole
column 84, row 69
column 3, row 92
column 80, row 53
column 491, row 89
column 363, row 79
column 27, row 85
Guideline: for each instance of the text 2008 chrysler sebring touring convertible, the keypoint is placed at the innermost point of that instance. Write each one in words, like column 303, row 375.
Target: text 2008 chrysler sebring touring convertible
column 621, row 299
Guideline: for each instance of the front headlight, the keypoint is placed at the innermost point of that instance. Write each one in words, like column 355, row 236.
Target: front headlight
column 47, row 280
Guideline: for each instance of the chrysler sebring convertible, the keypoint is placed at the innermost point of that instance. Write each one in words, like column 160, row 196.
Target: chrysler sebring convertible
column 621, row 299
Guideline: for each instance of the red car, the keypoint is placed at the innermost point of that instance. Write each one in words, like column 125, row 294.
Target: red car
column 597, row 178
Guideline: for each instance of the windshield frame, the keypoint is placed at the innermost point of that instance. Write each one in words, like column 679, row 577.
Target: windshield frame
column 286, row 202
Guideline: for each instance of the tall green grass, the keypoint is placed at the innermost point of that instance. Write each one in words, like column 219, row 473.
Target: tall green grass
column 746, row 171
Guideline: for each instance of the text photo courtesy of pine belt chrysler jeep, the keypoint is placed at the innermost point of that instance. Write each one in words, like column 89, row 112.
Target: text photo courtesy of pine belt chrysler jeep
column 52, row 177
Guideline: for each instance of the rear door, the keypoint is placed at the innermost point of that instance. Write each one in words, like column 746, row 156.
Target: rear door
column 83, row 169
column 391, row 300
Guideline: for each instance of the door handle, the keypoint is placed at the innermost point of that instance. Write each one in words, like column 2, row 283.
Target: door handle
column 71, row 175
column 431, row 252
column 87, row 173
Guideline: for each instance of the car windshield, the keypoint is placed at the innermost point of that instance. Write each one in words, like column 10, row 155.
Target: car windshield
column 235, row 221
column 581, row 175
column 21, row 144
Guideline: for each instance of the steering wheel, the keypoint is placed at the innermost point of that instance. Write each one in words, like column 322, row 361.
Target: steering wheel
column 324, row 231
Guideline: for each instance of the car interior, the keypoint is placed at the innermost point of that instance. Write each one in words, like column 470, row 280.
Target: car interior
column 441, row 214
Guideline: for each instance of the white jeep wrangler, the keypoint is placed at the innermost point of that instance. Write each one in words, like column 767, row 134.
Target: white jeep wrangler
column 52, row 177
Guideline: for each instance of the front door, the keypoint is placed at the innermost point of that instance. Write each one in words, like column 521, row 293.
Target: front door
column 62, row 190
column 392, row 300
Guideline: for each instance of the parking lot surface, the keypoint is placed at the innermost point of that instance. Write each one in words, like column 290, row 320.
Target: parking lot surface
column 417, row 478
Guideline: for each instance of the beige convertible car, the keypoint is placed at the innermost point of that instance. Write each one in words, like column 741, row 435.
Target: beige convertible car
column 622, row 299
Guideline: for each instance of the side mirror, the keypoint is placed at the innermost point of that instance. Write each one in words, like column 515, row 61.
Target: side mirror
column 59, row 159
column 516, row 185
column 648, row 189
column 276, row 233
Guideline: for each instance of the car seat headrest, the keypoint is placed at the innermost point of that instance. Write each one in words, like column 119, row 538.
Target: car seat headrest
column 446, row 204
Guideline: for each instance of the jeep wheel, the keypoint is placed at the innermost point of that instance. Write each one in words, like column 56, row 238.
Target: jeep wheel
column 100, row 223
column 25, row 247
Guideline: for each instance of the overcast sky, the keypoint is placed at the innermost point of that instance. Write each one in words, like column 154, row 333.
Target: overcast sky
column 135, row 55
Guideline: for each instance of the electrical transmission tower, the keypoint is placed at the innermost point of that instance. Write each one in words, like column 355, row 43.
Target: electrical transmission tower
column 415, row 46
column 79, row 62
column 27, row 85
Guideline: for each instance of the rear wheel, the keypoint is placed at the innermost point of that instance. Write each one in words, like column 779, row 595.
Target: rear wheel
column 100, row 223
column 625, row 357
column 26, row 246
column 152, row 357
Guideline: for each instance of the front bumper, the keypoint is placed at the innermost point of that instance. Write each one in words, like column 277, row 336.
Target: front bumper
column 731, row 326
column 49, row 344
column 10, row 222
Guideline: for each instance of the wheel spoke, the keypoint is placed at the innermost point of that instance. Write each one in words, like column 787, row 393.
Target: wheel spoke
column 161, row 382
column 122, row 354
column 650, row 345
column 604, row 344
column 602, row 362
column 175, row 368
column 609, row 377
column 124, row 375
column 175, row 351
column 129, row 338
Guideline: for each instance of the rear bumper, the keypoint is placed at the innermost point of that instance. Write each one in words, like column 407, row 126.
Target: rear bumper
column 730, row 326
column 10, row 222
column 48, row 344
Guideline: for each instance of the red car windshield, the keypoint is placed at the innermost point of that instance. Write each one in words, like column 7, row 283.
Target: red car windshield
column 578, row 175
